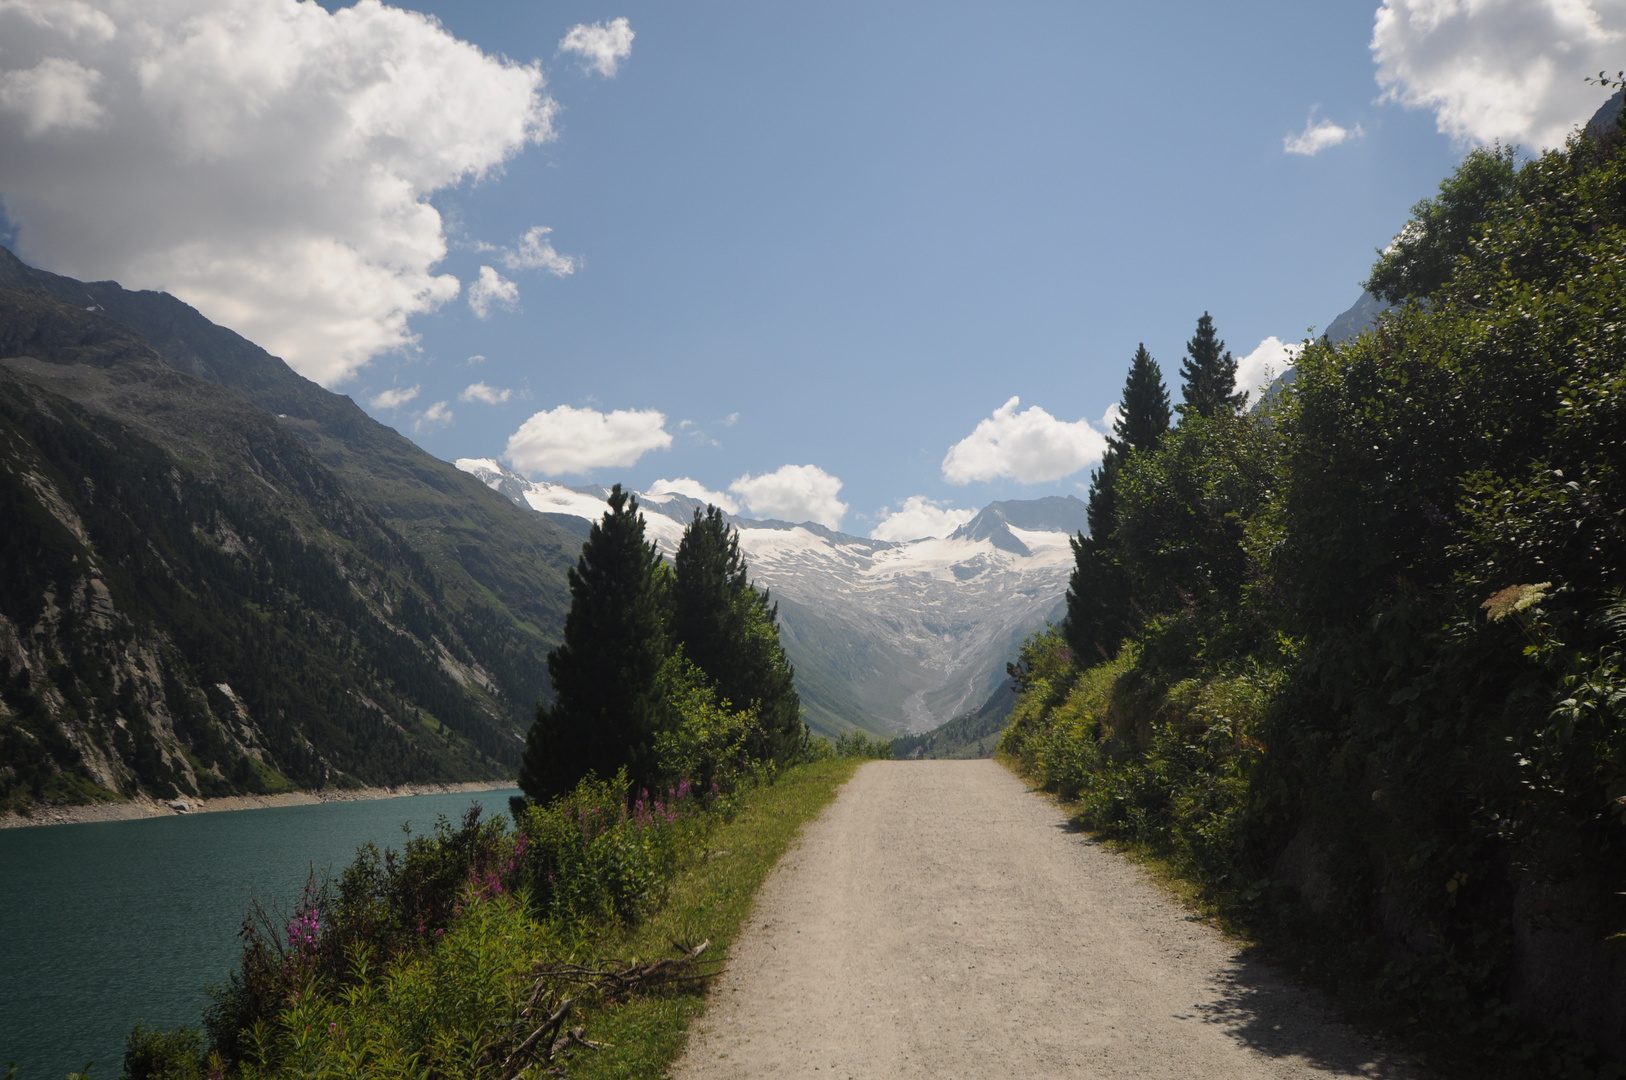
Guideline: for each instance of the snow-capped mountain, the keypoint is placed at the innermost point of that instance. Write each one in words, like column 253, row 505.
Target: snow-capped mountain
column 895, row 637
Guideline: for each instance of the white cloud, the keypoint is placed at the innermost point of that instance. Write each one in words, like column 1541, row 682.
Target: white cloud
column 793, row 493
column 437, row 415
column 481, row 392
column 490, row 290
column 919, row 517
column 1498, row 69
column 477, row 358
column 602, row 46
column 1256, row 370
column 68, row 17
column 571, row 440
column 269, row 162
column 394, row 399
column 1114, row 413
column 535, row 252
column 694, row 489
column 1030, row 447
column 731, row 419
column 1318, row 135
column 54, row 93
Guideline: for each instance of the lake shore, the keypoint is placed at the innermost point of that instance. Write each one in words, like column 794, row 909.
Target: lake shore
column 145, row 807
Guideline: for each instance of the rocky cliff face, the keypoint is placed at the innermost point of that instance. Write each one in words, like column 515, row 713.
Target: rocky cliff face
column 200, row 595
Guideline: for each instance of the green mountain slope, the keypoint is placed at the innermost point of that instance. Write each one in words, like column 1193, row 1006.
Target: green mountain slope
column 200, row 596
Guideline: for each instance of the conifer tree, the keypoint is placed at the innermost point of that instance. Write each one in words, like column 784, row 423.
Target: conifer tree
column 1209, row 372
column 607, row 705
column 1144, row 411
column 1098, row 599
column 730, row 631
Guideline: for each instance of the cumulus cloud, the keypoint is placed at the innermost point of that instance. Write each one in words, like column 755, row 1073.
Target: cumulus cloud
column 54, row 93
column 491, row 290
column 1498, row 69
column 577, row 441
column 535, row 252
column 481, row 392
column 1318, row 135
column 437, row 415
column 1031, row 447
column 1255, row 371
column 394, row 398
column 694, row 489
column 793, row 493
column 601, row 46
column 919, row 517
column 269, row 162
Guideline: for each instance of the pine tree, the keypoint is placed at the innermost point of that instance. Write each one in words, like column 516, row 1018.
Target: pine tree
column 730, row 631
column 1098, row 599
column 1209, row 372
column 1144, row 411
column 607, row 705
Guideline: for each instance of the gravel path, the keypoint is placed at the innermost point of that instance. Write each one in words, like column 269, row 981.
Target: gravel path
column 938, row 920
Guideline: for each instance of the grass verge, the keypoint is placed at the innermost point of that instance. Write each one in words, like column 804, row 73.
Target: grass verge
column 710, row 898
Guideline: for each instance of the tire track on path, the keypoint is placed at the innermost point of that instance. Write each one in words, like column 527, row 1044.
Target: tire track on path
column 939, row 920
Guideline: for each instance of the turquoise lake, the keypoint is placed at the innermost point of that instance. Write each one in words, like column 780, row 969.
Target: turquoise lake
column 110, row 923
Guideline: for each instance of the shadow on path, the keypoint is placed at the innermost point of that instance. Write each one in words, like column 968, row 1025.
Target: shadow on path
column 1267, row 1012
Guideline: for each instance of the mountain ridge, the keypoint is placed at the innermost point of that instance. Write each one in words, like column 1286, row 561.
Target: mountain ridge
column 202, row 596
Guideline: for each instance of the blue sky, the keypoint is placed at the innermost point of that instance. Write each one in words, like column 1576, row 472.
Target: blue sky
column 831, row 235
column 863, row 228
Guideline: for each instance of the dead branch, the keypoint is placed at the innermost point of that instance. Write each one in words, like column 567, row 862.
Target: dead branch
column 526, row 1050
column 626, row 979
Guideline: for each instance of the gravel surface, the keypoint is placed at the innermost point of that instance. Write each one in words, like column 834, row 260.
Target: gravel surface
column 939, row 920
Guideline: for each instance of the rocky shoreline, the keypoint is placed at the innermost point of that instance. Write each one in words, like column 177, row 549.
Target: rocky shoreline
column 145, row 807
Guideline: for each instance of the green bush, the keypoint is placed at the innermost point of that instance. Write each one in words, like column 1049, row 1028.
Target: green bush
column 862, row 746
column 154, row 1054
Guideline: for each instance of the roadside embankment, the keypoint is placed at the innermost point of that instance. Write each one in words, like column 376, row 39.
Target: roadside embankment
column 144, row 807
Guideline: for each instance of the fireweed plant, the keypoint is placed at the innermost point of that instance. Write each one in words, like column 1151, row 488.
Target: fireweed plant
column 420, row 961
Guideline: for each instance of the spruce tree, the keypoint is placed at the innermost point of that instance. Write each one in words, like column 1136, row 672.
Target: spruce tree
column 1209, row 372
column 607, row 705
column 730, row 631
column 1098, row 601
column 1144, row 411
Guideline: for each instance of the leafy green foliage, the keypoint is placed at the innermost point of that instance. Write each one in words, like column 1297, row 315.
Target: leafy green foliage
column 1421, row 259
column 156, row 1054
column 1375, row 701
column 855, row 744
column 425, row 962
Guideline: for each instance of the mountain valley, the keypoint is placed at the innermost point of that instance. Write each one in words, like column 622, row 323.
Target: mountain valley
column 897, row 638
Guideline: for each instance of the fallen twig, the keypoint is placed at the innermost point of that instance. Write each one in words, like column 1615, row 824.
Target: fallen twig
column 527, row 1049
column 622, row 980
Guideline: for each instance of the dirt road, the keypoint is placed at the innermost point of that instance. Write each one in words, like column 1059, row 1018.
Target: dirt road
column 941, row 921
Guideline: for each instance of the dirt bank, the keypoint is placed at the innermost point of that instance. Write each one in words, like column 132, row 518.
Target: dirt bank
column 145, row 807
column 939, row 920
